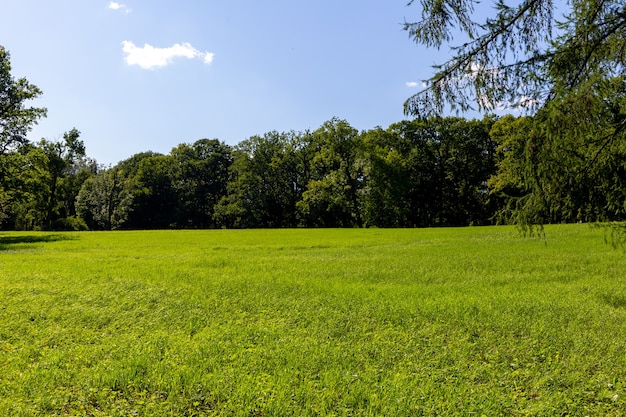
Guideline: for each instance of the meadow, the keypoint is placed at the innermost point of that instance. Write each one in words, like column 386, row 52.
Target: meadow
column 355, row 322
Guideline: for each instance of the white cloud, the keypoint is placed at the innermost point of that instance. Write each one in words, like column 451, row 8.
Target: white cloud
column 119, row 6
column 150, row 57
column 412, row 84
column 208, row 57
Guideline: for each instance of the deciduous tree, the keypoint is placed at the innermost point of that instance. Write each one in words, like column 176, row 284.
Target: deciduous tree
column 16, row 119
column 65, row 161
column 333, row 195
column 200, row 177
column 430, row 172
column 154, row 196
column 104, row 200
column 264, row 183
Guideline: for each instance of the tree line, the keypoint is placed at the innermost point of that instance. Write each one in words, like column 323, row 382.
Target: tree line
column 412, row 174
column 425, row 172
column 415, row 173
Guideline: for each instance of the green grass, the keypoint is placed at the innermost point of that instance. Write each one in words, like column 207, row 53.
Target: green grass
column 377, row 322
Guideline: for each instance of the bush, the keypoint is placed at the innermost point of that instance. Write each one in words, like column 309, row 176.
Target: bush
column 69, row 224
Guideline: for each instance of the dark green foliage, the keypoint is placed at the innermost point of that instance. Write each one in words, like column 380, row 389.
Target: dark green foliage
column 430, row 173
column 419, row 173
column 386, row 193
column 42, row 181
column 68, row 168
column 149, row 190
column 567, row 162
column 69, row 224
column 333, row 194
column 201, row 177
column 546, row 179
column 265, row 183
column 154, row 195
column 104, row 201
column 16, row 120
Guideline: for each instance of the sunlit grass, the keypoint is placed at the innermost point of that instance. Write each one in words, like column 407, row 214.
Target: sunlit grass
column 464, row 321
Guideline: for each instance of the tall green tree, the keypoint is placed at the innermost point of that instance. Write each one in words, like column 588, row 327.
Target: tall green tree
column 264, row 183
column 589, row 174
column 16, row 120
column 65, row 162
column 386, row 192
column 333, row 195
column 120, row 196
column 201, row 178
column 155, row 198
column 104, row 200
column 568, row 70
column 26, row 181
column 430, row 172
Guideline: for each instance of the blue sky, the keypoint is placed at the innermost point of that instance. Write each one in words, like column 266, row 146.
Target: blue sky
column 138, row 75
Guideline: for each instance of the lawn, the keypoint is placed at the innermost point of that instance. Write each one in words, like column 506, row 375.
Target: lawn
column 356, row 322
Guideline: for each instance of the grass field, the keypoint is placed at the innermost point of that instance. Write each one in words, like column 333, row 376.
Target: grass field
column 376, row 322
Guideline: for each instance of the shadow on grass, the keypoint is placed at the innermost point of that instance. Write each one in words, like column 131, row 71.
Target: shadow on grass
column 27, row 241
column 615, row 300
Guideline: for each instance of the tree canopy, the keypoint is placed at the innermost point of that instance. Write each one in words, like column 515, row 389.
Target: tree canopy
column 16, row 119
column 527, row 54
column 562, row 62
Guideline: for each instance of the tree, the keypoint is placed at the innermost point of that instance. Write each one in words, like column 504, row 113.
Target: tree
column 155, row 198
column 120, row 196
column 386, row 192
column 64, row 162
column 333, row 195
column 430, row 172
column 568, row 70
column 104, row 200
column 589, row 175
column 16, row 120
column 26, row 183
column 524, row 55
column 201, row 177
column 130, row 166
column 264, row 183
